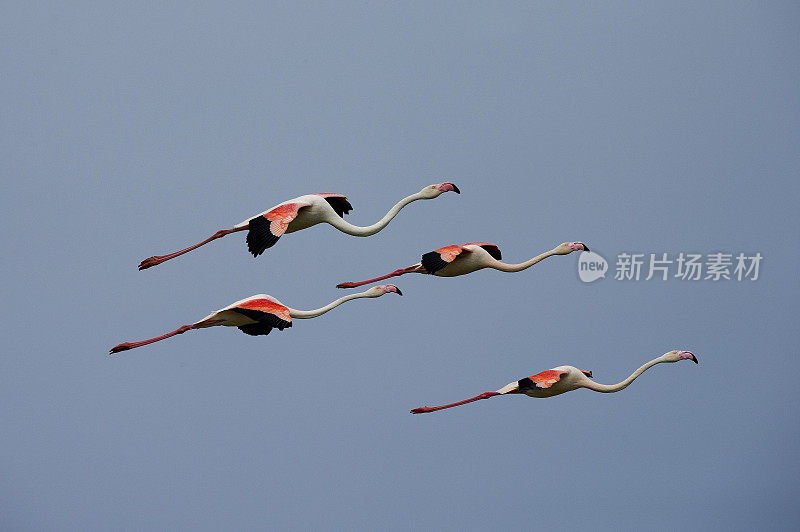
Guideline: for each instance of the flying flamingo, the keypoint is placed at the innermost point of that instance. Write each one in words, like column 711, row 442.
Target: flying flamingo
column 258, row 314
column 264, row 229
column 563, row 379
column 450, row 261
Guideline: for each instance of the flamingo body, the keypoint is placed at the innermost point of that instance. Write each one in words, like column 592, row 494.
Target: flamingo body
column 255, row 315
column 549, row 382
column 266, row 228
column 451, row 261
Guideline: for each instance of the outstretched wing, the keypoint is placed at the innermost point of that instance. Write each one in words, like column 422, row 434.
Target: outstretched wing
column 338, row 203
column 540, row 381
column 267, row 315
column 267, row 228
column 436, row 260
column 493, row 250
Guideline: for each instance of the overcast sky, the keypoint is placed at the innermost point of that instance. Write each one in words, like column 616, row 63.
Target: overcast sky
column 134, row 129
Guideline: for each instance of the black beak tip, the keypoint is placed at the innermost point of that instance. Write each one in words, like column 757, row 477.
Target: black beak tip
column 585, row 247
column 455, row 189
column 399, row 293
column 694, row 358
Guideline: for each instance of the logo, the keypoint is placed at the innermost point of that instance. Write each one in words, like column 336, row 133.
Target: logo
column 683, row 266
column 591, row 266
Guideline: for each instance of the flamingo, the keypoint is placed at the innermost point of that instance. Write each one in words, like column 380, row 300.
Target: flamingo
column 257, row 315
column 299, row 213
column 451, row 261
column 563, row 379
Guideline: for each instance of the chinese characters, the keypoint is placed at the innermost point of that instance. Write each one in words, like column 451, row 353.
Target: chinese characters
column 687, row 266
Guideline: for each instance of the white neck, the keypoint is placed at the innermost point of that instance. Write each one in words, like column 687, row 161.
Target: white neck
column 611, row 388
column 355, row 230
column 503, row 267
column 305, row 314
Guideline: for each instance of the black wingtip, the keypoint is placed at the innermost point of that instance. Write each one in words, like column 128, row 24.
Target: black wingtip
column 259, row 236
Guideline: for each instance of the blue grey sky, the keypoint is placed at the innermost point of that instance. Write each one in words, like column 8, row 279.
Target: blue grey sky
column 130, row 130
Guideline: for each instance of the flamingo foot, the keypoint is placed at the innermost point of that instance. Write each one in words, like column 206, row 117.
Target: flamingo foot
column 150, row 262
column 347, row 285
column 121, row 347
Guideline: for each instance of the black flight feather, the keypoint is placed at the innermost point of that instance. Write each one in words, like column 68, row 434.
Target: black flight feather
column 259, row 237
column 339, row 204
column 433, row 262
column 266, row 321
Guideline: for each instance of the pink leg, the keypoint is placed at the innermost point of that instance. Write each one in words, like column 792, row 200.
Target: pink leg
column 131, row 345
column 426, row 409
column 412, row 269
column 158, row 259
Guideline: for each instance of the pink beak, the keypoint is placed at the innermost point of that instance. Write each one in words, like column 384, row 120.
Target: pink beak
column 578, row 246
column 447, row 186
column 688, row 355
column 390, row 288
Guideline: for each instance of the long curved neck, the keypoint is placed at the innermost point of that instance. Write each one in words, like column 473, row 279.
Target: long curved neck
column 611, row 388
column 305, row 314
column 503, row 267
column 355, row 230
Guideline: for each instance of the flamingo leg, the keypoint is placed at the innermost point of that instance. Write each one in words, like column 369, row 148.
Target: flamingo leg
column 417, row 268
column 426, row 409
column 158, row 259
column 131, row 345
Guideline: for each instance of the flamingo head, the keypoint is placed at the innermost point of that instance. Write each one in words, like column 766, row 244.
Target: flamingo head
column 568, row 247
column 378, row 291
column 676, row 356
column 434, row 191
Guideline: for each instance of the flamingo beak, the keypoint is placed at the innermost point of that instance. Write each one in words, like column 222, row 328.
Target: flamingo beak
column 393, row 288
column 447, row 186
column 585, row 247
column 694, row 359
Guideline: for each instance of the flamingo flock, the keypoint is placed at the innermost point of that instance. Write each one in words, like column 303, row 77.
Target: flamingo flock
column 258, row 315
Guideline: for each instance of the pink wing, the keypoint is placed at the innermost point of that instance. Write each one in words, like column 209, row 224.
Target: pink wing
column 267, row 313
column 436, row 260
column 266, row 229
column 542, row 380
